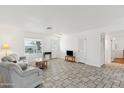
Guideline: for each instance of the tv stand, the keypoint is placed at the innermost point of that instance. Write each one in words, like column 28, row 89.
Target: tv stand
column 70, row 58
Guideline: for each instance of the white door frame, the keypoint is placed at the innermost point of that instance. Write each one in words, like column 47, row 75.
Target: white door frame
column 82, row 49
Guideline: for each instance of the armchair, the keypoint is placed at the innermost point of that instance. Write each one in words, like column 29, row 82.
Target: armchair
column 13, row 76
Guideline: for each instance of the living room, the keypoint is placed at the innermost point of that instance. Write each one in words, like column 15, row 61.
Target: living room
column 42, row 36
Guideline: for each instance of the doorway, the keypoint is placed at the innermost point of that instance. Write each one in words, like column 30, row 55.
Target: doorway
column 82, row 50
column 106, row 48
column 114, row 47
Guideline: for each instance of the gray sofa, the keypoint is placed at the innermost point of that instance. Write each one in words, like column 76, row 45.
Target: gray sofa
column 18, row 74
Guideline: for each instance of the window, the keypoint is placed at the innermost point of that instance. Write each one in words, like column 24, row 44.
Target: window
column 32, row 46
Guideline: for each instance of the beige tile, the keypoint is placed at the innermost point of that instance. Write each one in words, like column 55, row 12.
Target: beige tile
column 61, row 74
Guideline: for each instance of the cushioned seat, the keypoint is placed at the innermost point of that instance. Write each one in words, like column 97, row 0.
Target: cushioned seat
column 19, row 75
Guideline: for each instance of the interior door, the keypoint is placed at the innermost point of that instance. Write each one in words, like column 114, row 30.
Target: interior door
column 81, row 50
column 103, row 48
column 55, row 48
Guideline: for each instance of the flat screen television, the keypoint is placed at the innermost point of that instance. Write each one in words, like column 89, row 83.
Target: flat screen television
column 69, row 53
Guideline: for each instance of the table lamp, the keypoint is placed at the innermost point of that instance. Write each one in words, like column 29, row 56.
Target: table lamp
column 6, row 47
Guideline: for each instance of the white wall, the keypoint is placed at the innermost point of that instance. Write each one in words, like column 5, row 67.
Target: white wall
column 47, row 44
column 68, row 43
column 10, row 35
column 15, row 38
column 93, row 46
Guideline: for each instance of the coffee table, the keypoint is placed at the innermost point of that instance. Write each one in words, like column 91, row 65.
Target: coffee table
column 41, row 64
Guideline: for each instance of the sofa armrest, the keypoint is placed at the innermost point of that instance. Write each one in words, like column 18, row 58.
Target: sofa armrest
column 31, row 71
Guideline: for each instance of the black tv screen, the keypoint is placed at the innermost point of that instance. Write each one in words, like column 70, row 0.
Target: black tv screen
column 69, row 53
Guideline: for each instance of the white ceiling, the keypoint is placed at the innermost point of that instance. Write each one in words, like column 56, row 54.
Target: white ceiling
column 63, row 19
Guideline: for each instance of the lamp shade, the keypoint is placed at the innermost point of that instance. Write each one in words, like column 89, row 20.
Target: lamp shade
column 5, row 46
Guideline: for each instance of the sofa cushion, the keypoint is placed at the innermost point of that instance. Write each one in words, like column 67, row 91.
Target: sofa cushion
column 9, row 59
column 4, row 59
column 15, row 57
column 23, row 65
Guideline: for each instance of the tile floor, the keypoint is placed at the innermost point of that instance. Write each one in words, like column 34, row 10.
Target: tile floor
column 62, row 74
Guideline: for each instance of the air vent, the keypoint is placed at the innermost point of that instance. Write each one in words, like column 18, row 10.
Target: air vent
column 48, row 28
